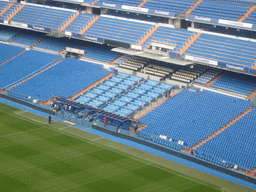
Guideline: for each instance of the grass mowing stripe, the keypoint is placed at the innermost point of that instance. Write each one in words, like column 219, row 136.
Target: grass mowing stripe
column 115, row 151
column 19, row 132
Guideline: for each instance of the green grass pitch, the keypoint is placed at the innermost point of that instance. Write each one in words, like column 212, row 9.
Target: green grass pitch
column 39, row 157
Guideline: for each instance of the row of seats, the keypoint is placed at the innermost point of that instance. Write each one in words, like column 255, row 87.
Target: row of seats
column 237, row 83
column 6, row 35
column 43, row 16
column 28, row 38
column 122, row 59
column 119, row 30
column 157, row 70
column 177, row 37
column 208, row 76
column 79, row 23
column 7, row 51
column 134, row 63
column 251, row 18
column 24, row 66
column 165, row 142
column 188, row 74
column 212, row 159
column 174, row 6
column 219, row 9
column 4, row 5
column 123, row 94
column 99, row 52
column 191, row 117
column 236, row 144
column 137, row 98
column 109, row 90
column 224, row 49
column 93, row 51
column 58, row 44
column 64, row 79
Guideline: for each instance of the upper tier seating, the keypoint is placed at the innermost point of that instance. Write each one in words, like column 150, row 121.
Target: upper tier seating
column 28, row 38
column 251, row 18
column 100, row 52
column 228, row 10
column 134, row 3
column 238, row 83
column 3, row 6
column 218, row 48
column 8, row 51
column 236, row 144
column 43, row 16
column 10, row 11
column 24, row 66
column 191, row 117
column 174, row 36
column 64, row 79
column 58, row 44
column 170, row 5
column 119, row 29
column 79, row 23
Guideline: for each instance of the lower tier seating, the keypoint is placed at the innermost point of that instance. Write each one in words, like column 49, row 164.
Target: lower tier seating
column 189, row 117
column 188, row 74
column 124, row 94
column 58, row 44
column 237, row 83
column 235, row 145
column 64, row 79
column 99, row 52
column 134, row 63
column 8, row 51
column 122, row 59
column 24, row 66
column 28, row 38
column 6, row 35
column 208, row 76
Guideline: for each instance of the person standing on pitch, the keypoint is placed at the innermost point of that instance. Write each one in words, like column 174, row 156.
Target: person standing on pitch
column 105, row 121
column 50, row 119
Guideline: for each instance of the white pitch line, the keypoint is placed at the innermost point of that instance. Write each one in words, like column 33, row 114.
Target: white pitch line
column 63, row 128
column 97, row 138
column 19, row 112
column 20, row 132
